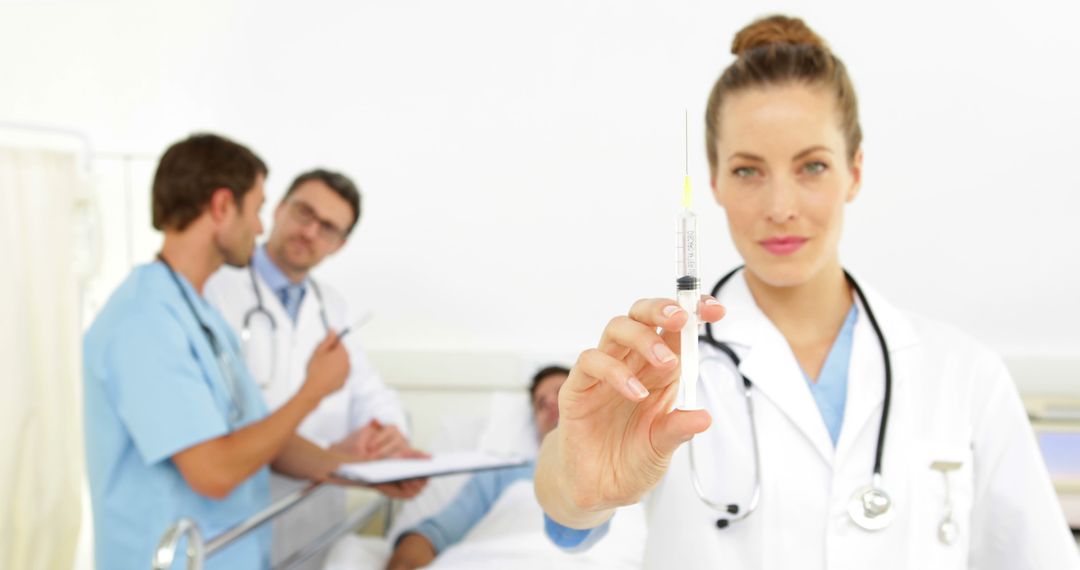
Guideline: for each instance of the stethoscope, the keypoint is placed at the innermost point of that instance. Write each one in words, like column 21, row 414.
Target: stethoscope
column 869, row 507
column 224, row 359
column 260, row 312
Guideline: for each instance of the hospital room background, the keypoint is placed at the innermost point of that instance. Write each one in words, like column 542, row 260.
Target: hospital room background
column 521, row 164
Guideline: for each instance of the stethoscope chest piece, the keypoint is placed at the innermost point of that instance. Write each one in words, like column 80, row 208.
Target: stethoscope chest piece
column 870, row 507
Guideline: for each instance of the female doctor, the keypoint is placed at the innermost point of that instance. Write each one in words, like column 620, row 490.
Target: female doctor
column 838, row 431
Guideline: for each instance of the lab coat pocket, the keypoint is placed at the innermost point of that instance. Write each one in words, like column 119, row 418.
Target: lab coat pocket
column 942, row 486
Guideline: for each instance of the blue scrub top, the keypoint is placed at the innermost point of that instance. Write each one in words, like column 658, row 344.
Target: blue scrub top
column 830, row 390
column 153, row 387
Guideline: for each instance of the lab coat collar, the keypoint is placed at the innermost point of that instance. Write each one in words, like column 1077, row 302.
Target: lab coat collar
column 740, row 326
column 308, row 303
column 742, row 317
column 866, row 373
column 768, row 361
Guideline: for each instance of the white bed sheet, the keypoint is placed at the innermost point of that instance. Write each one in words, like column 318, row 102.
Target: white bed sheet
column 512, row 534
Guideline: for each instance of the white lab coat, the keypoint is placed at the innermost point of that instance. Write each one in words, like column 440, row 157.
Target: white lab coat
column 363, row 398
column 952, row 400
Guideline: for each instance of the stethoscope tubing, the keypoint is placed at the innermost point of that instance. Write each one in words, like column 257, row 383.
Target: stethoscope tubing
column 260, row 309
column 710, row 339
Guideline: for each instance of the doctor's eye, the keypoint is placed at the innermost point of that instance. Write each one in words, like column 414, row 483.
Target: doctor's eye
column 815, row 167
column 744, row 171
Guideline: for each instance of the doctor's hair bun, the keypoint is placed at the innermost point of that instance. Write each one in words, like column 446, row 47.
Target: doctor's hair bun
column 775, row 30
column 779, row 51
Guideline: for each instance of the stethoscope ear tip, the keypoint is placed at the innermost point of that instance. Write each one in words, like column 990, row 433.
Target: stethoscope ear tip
column 731, row 509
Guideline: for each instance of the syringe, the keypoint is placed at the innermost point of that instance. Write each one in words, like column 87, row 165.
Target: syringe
column 688, row 289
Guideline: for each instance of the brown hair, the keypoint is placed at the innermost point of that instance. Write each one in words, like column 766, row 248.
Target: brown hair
column 778, row 50
column 543, row 374
column 191, row 170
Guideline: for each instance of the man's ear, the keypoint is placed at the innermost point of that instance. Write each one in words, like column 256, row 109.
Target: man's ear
column 222, row 204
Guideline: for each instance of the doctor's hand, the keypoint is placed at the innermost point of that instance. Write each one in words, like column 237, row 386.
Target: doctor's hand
column 375, row 441
column 405, row 489
column 327, row 368
column 616, row 436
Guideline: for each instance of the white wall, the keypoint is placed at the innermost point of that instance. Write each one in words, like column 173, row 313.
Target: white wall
column 521, row 162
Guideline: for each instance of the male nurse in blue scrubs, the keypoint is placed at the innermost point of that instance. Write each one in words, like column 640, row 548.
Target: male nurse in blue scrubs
column 175, row 424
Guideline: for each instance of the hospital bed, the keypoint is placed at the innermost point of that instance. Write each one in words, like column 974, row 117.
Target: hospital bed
column 456, row 401
column 479, row 401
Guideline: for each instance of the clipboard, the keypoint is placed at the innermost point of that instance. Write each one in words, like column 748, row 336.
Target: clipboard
column 394, row 470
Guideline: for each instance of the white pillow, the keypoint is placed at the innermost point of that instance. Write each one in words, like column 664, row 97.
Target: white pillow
column 510, row 429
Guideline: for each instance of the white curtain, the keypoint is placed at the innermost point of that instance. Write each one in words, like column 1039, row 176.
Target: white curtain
column 41, row 450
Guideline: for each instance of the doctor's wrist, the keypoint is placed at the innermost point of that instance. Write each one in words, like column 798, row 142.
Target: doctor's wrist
column 560, row 499
column 307, row 398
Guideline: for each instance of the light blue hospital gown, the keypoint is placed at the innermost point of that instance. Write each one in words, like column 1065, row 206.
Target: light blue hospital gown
column 475, row 500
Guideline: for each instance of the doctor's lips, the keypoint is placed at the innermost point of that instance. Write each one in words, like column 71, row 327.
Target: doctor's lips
column 783, row 245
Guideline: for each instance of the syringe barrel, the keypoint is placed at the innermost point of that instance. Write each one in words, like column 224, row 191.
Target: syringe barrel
column 686, row 269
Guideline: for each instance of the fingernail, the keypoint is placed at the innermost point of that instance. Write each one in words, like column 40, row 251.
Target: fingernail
column 663, row 353
column 671, row 310
column 712, row 302
column 636, row 388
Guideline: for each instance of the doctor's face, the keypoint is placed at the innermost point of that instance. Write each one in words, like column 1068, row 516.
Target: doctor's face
column 308, row 226
column 783, row 177
column 237, row 238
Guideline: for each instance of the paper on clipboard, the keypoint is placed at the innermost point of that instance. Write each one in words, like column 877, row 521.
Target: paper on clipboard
column 391, row 470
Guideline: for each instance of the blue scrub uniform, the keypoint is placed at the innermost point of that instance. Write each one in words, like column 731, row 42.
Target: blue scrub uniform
column 154, row 387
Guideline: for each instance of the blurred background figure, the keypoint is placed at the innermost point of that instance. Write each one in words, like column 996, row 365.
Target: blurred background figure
column 282, row 315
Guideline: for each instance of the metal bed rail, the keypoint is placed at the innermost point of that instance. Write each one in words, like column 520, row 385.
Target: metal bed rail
column 198, row 549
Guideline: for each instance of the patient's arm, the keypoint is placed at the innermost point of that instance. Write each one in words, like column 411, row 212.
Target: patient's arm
column 475, row 499
column 412, row 551
column 422, row 543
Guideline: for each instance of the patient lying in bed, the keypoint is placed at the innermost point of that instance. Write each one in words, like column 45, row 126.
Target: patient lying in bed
column 494, row 520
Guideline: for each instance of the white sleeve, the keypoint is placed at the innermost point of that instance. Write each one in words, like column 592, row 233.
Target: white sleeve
column 1017, row 520
column 369, row 398
column 215, row 291
column 229, row 291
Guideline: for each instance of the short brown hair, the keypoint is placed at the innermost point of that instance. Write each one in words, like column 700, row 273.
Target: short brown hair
column 191, row 170
column 543, row 374
column 778, row 50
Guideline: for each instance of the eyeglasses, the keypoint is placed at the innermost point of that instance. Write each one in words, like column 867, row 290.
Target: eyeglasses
column 304, row 215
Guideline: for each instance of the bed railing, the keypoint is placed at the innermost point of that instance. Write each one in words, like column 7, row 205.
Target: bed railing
column 198, row 549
